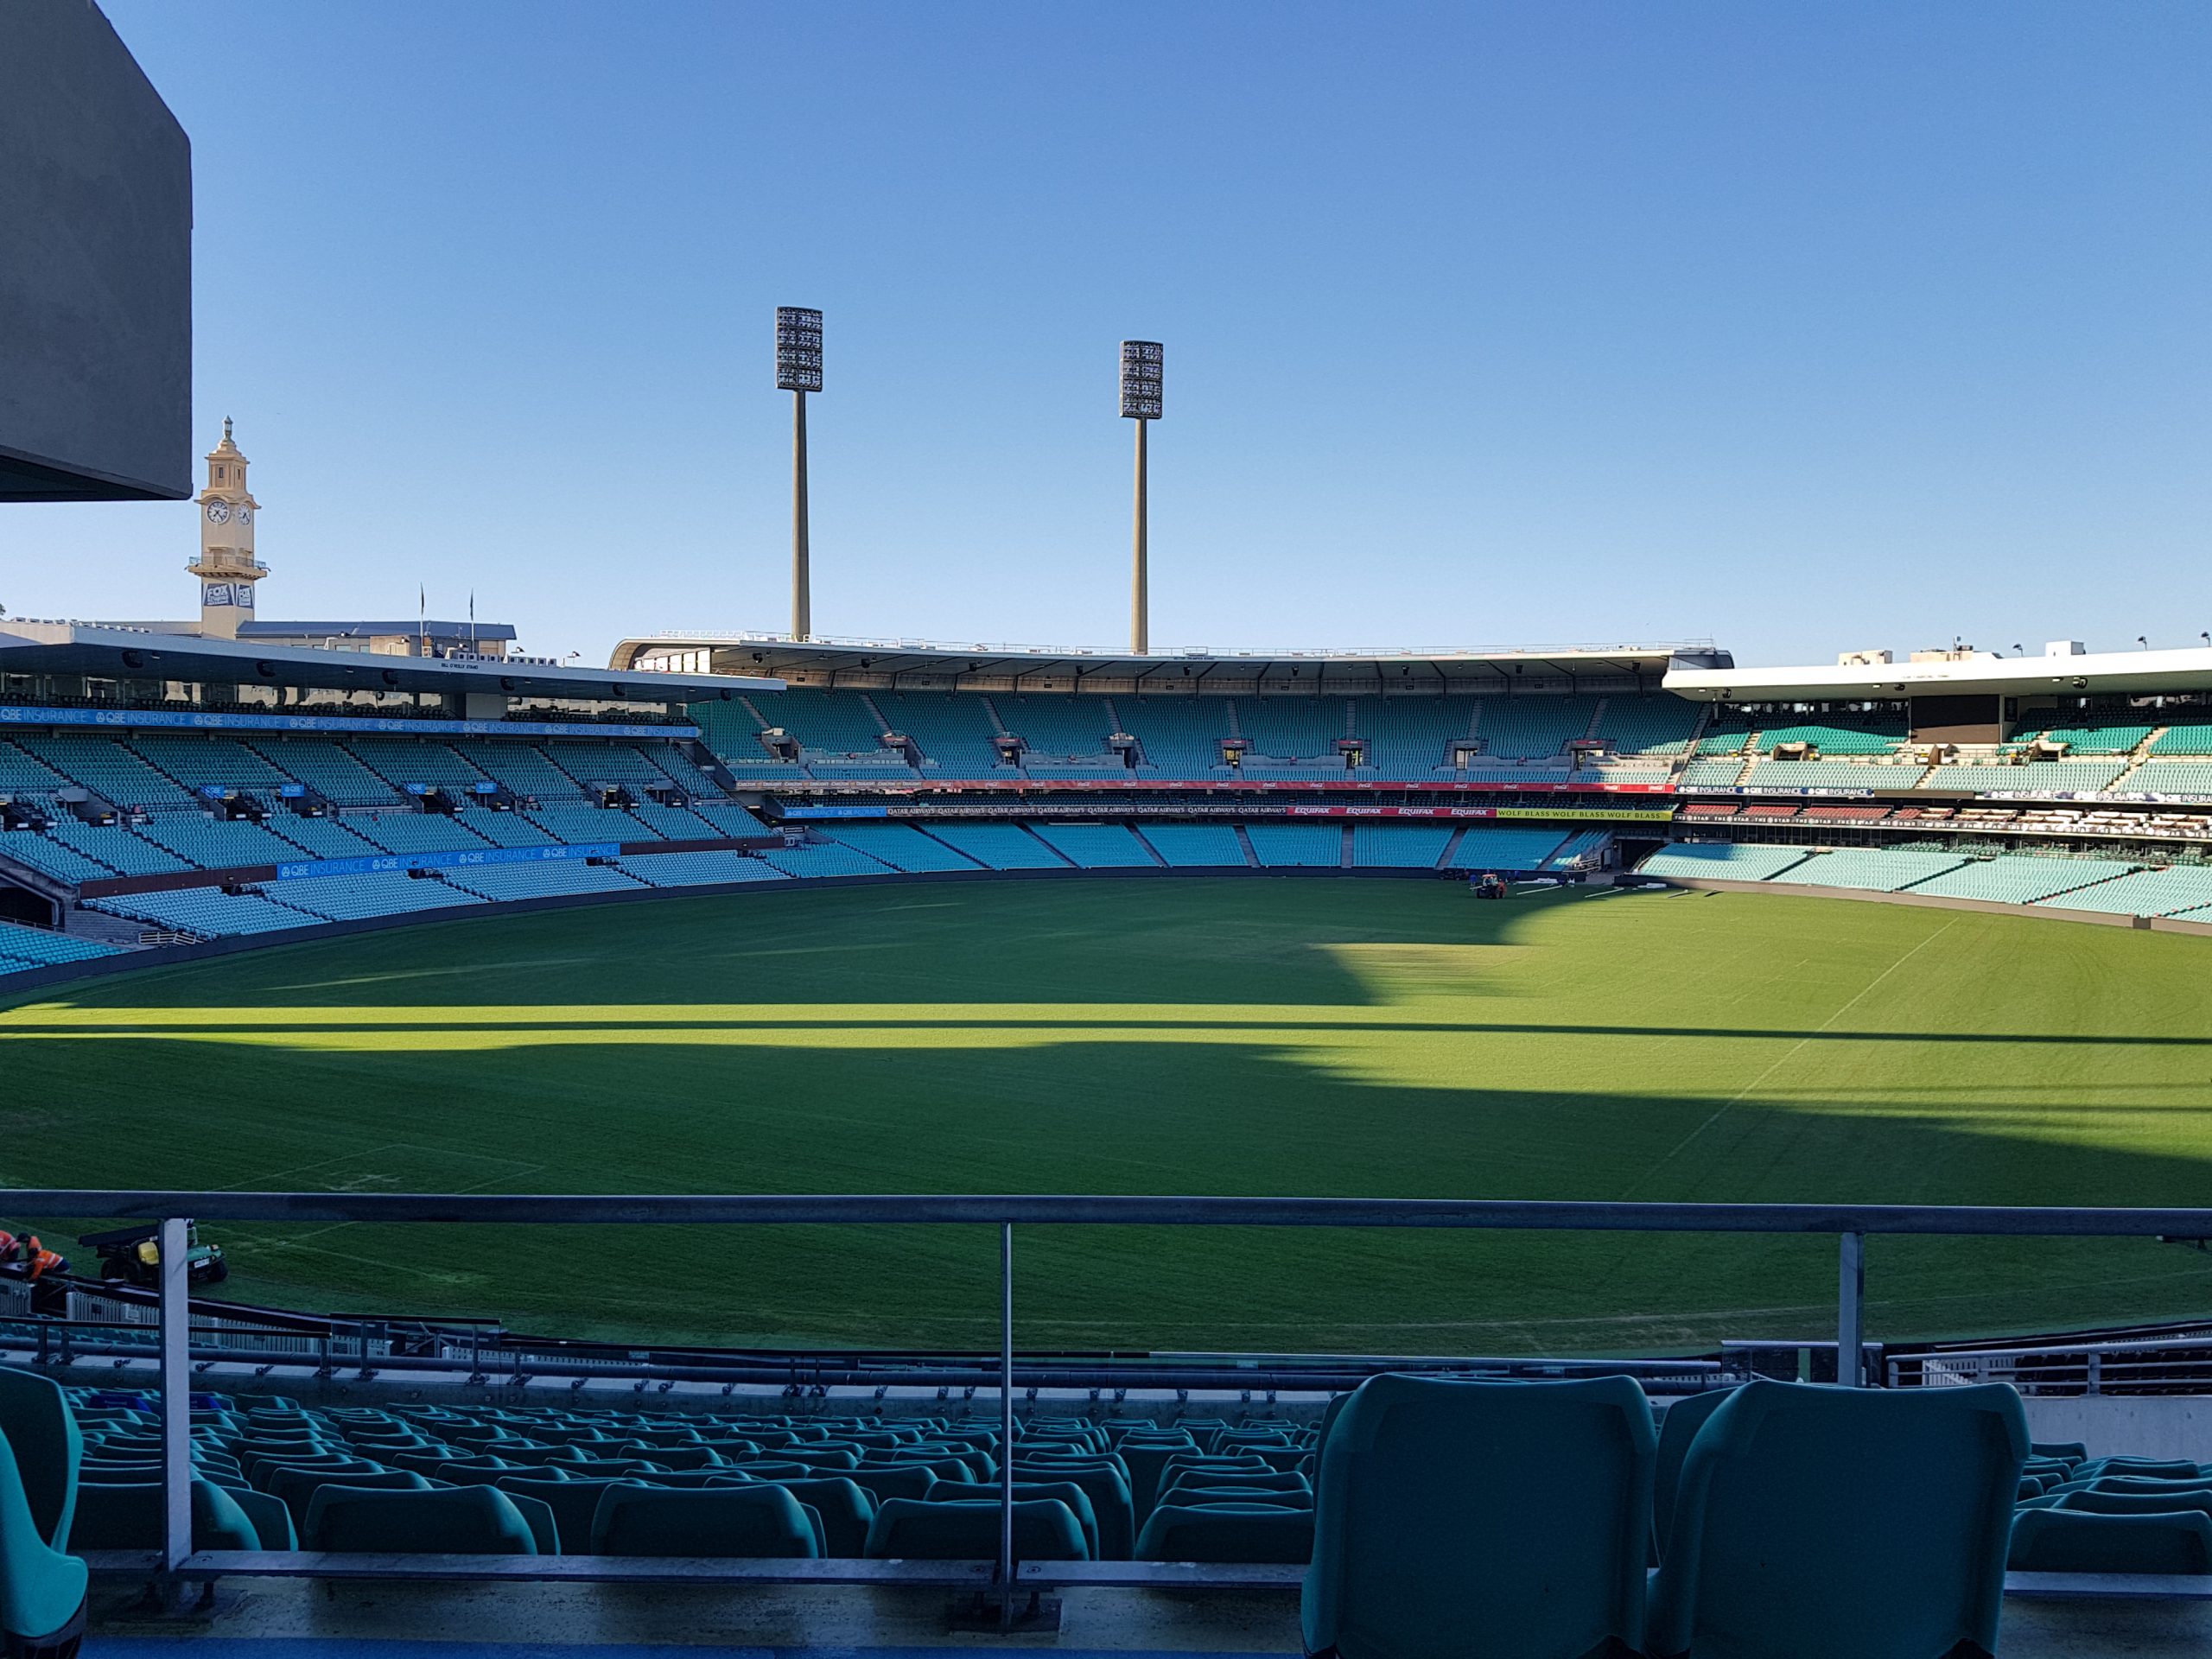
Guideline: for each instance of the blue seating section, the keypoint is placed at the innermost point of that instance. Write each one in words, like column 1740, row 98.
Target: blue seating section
column 38, row 947
column 112, row 772
column 1000, row 846
column 550, row 878
column 1504, row 847
column 328, row 769
column 1286, row 846
column 728, row 819
column 901, row 846
column 520, row 769
column 215, row 845
column 1096, row 846
column 832, row 723
column 404, row 760
column 414, row 832
column 699, row 869
column 1410, row 738
column 824, row 857
column 207, row 912
column 117, row 848
column 1053, row 727
column 21, row 773
column 1294, row 727
column 1180, row 735
column 506, row 828
column 604, row 761
column 1532, row 727
column 347, row 898
column 1196, row 846
column 323, row 837
column 954, row 731
column 1869, row 870
column 1583, row 847
column 1399, row 846
column 587, row 826
column 52, row 855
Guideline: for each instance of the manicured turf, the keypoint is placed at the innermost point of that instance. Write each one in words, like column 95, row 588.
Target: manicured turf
column 1295, row 1036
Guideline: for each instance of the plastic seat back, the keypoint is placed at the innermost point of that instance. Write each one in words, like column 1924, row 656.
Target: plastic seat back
column 572, row 1503
column 2072, row 1540
column 443, row 1520
column 1226, row 1533
column 130, row 1518
column 844, row 1509
column 1462, row 1519
column 42, row 1589
column 755, row 1521
column 296, row 1488
column 1026, row 1491
column 43, row 1432
column 2093, row 1502
column 1833, row 1523
column 1676, row 1430
column 908, row 1528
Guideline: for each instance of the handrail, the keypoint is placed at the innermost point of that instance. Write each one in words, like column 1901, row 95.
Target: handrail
column 2033, row 1221
column 1850, row 1223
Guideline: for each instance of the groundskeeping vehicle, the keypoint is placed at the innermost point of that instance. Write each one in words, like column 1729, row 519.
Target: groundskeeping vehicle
column 134, row 1254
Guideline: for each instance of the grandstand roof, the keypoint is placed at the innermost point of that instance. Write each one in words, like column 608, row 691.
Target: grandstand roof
column 108, row 651
column 2144, row 672
column 775, row 654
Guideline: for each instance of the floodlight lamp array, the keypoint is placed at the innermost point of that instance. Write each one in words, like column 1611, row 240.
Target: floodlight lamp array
column 799, row 348
column 1142, row 361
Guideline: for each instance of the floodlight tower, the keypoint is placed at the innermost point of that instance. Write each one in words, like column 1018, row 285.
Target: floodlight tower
column 1142, row 361
column 798, row 371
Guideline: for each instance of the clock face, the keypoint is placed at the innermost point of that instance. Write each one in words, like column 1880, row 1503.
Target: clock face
column 218, row 512
column 246, row 515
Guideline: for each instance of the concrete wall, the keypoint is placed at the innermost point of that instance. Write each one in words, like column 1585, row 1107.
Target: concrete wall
column 2146, row 1426
column 95, row 266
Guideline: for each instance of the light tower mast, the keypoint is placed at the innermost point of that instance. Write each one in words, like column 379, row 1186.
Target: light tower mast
column 1141, row 387
column 226, row 568
column 798, row 371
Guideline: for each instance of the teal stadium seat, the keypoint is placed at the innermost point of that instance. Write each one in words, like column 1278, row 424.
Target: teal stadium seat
column 1226, row 1533
column 443, row 1520
column 1482, row 1518
column 2063, row 1540
column 760, row 1520
column 41, row 1588
column 908, row 1528
column 1831, row 1523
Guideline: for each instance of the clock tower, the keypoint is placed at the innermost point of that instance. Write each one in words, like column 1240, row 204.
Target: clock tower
column 226, row 568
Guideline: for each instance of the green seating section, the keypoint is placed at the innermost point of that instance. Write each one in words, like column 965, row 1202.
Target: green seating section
column 2086, row 740
column 2184, row 738
column 1711, row 774
column 1832, row 774
column 2015, row 878
column 2184, row 778
column 2063, row 777
column 1870, row 870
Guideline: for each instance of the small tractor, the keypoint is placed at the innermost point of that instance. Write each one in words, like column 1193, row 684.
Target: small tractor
column 133, row 1254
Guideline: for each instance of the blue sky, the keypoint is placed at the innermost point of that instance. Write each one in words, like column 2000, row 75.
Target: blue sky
column 1799, row 328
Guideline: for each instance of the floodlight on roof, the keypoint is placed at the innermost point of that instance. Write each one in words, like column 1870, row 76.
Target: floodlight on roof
column 799, row 348
column 1142, row 363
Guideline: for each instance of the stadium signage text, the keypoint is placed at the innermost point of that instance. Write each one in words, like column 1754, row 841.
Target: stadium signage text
column 1606, row 814
column 456, row 861
column 13, row 715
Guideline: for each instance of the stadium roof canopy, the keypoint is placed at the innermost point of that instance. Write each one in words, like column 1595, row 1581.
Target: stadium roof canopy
column 2140, row 673
column 112, row 652
column 879, row 661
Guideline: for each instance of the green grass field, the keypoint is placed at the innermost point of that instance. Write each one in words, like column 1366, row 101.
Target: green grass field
column 1314, row 1036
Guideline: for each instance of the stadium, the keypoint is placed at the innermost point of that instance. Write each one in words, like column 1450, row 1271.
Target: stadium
column 790, row 1141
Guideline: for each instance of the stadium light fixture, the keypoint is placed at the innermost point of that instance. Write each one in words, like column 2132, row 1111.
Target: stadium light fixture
column 1143, row 364
column 798, row 371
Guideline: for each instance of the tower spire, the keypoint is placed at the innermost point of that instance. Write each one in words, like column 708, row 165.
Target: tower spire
column 226, row 566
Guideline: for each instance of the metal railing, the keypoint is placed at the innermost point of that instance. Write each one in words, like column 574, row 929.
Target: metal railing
column 1850, row 1224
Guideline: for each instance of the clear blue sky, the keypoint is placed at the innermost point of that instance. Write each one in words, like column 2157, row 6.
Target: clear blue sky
column 1798, row 327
